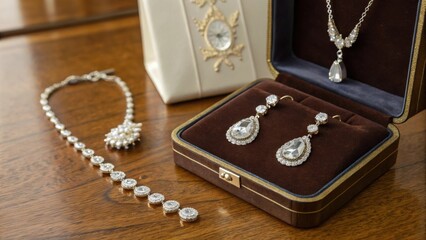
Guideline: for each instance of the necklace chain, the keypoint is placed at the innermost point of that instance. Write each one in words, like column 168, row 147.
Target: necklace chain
column 337, row 71
column 361, row 19
column 122, row 136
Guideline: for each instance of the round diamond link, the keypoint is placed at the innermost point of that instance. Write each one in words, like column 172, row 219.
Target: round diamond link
column 155, row 198
column 312, row 129
column 128, row 183
column 79, row 145
column 321, row 118
column 117, row 176
column 59, row 126
column 88, row 152
column 261, row 109
column 50, row 114
column 171, row 206
column 46, row 108
column 43, row 102
column 141, row 191
column 72, row 139
column 54, row 120
column 188, row 214
column 272, row 100
column 96, row 160
column 106, row 167
column 65, row 133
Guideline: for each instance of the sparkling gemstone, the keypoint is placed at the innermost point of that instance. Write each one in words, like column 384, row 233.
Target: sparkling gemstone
column 106, row 167
column 155, row 198
column 171, row 206
column 188, row 214
column 294, row 152
column 339, row 42
column 96, row 160
column 50, row 114
column 88, row 152
column 293, row 149
column 243, row 129
column 141, row 191
column 54, row 120
column 79, row 145
column 348, row 42
column 43, row 102
column 117, row 176
column 65, row 133
column 353, row 35
column 272, row 100
column 337, row 71
column 59, row 126
column 128, row 183
column 312, row 129
column 262, row 109
column 72, row 139
column 321, row 117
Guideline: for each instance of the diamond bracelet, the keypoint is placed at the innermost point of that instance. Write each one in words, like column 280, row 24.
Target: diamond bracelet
column 124, row 135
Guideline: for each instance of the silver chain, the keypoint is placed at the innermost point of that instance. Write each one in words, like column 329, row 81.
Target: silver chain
column 128, row 131
column 363, row 15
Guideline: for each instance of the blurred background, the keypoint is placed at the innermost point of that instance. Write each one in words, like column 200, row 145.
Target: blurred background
column 25, row 16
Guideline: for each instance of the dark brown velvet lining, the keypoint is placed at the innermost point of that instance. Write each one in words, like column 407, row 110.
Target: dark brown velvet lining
column 336, row 99
column 336, row 147
column 380, row 56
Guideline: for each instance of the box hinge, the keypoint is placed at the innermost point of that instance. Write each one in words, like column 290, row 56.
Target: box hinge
column 229, row 177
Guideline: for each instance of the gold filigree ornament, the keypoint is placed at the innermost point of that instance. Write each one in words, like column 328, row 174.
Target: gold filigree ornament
column 201, row 3
column 219, row 34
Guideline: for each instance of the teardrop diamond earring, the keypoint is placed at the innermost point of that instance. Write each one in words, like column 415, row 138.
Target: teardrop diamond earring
column 245, row 131
column 296, row 151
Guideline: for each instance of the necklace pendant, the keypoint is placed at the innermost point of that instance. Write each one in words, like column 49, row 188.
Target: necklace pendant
column 337, row 71
column 124, row 135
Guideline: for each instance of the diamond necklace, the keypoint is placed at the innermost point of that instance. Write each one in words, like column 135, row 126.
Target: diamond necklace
column 124, row 135
column 337, row 71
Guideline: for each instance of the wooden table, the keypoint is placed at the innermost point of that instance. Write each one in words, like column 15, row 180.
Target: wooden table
column 49, row 192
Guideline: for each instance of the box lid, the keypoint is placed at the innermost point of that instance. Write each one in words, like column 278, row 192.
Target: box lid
column 385, row 65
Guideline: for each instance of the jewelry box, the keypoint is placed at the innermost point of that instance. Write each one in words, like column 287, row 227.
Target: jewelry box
column 385, row 86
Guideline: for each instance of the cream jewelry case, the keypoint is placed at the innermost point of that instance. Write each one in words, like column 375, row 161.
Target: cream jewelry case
column 385, row 86
column 195, row 49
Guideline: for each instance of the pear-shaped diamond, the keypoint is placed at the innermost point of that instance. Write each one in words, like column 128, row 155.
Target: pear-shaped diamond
column 244, row 131
column 294, row 149
column 337, row 71
column 294, row 152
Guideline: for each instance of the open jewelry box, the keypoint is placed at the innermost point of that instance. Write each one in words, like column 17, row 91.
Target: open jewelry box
column 385, row 73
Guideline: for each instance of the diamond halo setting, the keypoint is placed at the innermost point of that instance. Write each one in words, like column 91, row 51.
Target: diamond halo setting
column 246, row 130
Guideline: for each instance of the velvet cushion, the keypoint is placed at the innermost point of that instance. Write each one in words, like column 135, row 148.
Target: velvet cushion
column 337, row 146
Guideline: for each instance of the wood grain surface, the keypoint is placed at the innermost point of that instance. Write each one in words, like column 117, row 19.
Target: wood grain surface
column 48, row 191
column 24, row 16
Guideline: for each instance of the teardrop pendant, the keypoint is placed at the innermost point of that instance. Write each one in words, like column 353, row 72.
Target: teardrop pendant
column 337, row 71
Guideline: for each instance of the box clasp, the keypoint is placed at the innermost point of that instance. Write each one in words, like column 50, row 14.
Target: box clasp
column 229, row 177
